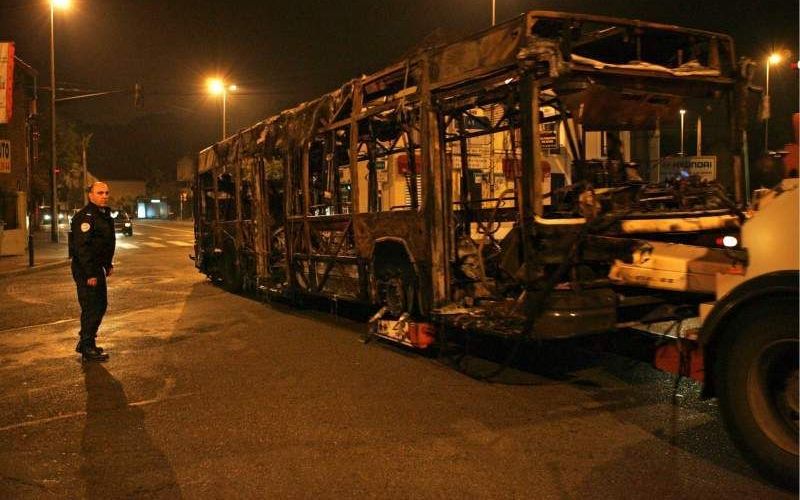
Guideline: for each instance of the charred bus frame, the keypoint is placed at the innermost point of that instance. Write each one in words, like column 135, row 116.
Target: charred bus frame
column 375, row 192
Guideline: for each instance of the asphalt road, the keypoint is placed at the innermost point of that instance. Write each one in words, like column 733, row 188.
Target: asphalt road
column 208, row 394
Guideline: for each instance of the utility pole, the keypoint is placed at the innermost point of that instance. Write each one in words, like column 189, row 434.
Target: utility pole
column 53, row 192
column 31, row 149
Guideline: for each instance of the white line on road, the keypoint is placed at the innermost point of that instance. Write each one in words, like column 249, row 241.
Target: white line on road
column 190, row 231
column 153, row 244
column 126, row 245
column 156, row 238
column 65, row 416
column 181, row 243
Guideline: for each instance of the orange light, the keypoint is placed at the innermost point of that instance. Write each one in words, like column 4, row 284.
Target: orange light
column 61, row 4
column 215, row 86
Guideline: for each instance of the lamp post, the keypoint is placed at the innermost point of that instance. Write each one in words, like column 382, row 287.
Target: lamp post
column 218, row 86
column 61, row 4
column 683, row 114
column 773, row 58
column 493, row 11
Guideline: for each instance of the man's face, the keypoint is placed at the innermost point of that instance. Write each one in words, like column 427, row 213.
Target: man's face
column 99, row 194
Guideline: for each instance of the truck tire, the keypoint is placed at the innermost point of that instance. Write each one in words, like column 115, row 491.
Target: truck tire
column 757, row 379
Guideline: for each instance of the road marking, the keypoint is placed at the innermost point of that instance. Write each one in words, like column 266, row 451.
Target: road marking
column 181, row 243
column 166, row 228
column 66, row 416
column 156, row 238
column 40, row 325
column 153, row 244
column 126, row 245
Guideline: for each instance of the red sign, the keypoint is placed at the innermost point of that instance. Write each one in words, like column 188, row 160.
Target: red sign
column 6, row 81
column 403, row 166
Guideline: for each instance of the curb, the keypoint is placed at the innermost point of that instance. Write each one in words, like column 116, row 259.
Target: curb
column 36, row 268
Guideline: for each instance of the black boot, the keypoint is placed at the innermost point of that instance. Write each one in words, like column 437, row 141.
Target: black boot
column 95, row 346
column 89, row 354
column 92, row 344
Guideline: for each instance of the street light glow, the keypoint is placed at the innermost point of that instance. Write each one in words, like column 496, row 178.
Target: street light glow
column 61, row 4
column 215, row 86
column 774, row 58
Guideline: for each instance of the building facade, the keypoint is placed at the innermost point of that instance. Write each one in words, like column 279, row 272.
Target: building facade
column 17, row 150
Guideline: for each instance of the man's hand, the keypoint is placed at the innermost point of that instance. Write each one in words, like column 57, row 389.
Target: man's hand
column 91, row 282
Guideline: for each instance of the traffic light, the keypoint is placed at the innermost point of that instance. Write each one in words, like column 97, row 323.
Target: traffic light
column 138, row 98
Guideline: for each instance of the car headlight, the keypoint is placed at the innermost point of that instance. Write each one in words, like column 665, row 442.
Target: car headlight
column 127, row 224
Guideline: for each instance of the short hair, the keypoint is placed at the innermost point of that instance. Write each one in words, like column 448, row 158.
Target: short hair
column 91, row 186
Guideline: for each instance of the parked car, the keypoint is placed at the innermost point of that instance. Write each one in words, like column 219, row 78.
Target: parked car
column 122, row 222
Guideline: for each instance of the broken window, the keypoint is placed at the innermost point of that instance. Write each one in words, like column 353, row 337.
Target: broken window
column 226, row 193
column 329, row 179
column 390, row 162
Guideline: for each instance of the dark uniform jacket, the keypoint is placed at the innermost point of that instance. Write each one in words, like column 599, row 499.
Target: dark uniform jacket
column 93, row 242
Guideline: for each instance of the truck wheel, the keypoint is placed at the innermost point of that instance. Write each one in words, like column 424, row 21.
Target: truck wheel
column 757, row 378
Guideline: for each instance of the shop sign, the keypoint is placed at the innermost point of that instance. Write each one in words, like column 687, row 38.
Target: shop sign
column 704, row 167
column 5, row 156
column 6, row 81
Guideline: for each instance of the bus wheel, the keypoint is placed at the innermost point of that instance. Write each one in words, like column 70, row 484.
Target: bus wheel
column 231, row 275
column 758, row 387
column 396, row 291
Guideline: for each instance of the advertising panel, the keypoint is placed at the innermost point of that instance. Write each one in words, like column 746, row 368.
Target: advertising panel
column 704, row 167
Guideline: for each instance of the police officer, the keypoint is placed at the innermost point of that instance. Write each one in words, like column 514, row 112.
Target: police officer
column 92, row 249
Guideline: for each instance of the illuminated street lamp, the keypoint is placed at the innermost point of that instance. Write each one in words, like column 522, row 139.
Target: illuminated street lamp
column 773, row 58
column 683, row 114
column 54, row 4
column 218, row 86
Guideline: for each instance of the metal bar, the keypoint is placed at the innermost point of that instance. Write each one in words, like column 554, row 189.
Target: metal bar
column 531, row 173
column 330, row 263
column 354, row 146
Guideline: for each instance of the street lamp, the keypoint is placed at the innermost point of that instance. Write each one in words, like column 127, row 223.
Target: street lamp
column 218, row 86
column 493, row 11
column 683, row 114
column 54, row 4
column 773, row 58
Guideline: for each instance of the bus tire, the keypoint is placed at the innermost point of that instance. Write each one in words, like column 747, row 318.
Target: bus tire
column 757, row 380
column 231, row 274
column 396, row 292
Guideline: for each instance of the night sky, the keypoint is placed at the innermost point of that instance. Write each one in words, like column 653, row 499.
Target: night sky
column 281, row 53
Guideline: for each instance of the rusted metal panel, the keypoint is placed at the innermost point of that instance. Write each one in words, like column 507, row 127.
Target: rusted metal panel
column 478, row 55
column 404, row 225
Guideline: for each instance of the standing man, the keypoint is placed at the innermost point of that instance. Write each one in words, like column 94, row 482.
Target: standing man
column 92, row 249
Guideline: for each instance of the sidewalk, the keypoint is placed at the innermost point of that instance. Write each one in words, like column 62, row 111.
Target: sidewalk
column 46, row 255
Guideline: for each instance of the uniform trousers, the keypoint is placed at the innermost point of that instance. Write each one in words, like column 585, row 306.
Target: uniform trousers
column 94, row 302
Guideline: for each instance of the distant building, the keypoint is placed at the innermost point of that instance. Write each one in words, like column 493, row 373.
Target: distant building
column 153, row 208
column 125, row 193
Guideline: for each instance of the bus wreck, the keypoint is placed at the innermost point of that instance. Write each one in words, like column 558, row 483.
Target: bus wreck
column 532, row 181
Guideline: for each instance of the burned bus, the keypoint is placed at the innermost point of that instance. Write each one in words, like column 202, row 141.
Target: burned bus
column 553, row 176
